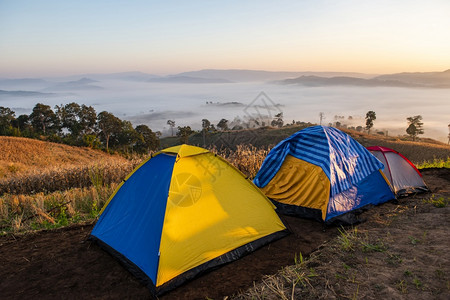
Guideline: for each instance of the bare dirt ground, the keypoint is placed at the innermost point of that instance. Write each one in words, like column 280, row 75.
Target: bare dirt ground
column 405, row 256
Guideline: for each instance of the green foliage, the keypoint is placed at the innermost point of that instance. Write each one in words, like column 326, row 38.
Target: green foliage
column 402, row 286
column 299, row 260
column 415, row 126
column 171, row 123
column 278, row 120
column 223, row 124
column 183, row 133
column 91, row 141
column 435, row 163
column 96, row 176
column 44, row 120
column 417, row 283
column 95, row 211
column 78, row 120
column 413, row 240
column 379, row 246
column 109, row 125
column 347, row 239
column 6, row 118
column 438, row 202
column 147, row 139
column 394, row 259
column 370, row 117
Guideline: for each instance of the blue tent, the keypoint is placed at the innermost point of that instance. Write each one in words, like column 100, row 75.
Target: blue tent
column 321, row 172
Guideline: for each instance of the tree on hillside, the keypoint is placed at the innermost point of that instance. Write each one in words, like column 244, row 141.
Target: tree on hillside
column 87, row 119
column 415, row 126
column 223, row 124
column 171, row 123
column 206, row 125
column 68, row 117
column 109, row 125
column 147, row 139
column 44, row 120
column 78, row 120
column 370, row 117
column 7, row 116
column 125, row 138
column 22, row 123
column 278, row 120
column 321, row 117
column 184, row 133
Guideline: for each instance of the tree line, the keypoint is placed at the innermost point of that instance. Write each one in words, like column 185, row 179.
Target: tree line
column 79, row 125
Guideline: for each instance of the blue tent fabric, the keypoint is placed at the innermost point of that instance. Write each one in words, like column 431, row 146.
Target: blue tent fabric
column 342, row 159
column 372, row 190
column 127, row 211
column 353, row 172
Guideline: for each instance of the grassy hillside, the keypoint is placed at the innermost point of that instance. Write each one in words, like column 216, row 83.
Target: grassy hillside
column 44, row 184
column 29, row 166
column 23, row 155
column 417, row 152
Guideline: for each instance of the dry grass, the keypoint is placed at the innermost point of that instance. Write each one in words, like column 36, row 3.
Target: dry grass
column 59, row 179
column 22, row 213
column 23, row 155
column 247, row 158
column 30, row 166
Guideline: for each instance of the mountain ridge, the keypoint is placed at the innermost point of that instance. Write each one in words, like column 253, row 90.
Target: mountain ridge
column 408, row 80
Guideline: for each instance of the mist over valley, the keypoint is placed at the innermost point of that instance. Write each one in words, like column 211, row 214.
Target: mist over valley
column 189, row 97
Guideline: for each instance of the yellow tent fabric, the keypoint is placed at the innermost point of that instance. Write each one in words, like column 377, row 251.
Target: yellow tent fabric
column 300, row 183
column 185, row 150
column 212, row 209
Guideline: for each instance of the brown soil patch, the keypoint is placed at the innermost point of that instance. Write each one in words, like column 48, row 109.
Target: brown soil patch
column 62, row 264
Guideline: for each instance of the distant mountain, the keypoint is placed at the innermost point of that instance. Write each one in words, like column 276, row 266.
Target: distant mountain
column 188, row 79
column 125, row 76
column 25, row 94
column 344, row 81
column 430, row 79
column 262, row 76
column 81, row 84
column 23, row 83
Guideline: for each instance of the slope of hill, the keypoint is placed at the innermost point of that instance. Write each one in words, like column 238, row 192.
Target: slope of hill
column 81, row 84
column 21, row 155
column 126, row 76
column 417, row 152
column 26, row 94
column 432, row 79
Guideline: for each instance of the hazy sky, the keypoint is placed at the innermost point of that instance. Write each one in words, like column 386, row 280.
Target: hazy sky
column 45, row 38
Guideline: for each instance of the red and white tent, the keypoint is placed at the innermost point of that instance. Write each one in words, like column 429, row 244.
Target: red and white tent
column 401, row 173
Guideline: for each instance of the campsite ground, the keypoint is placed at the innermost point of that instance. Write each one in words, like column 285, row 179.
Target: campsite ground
column 401, row 251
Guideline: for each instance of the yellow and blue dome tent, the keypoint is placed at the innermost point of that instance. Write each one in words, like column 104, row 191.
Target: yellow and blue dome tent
column 322, row 173
column 182, row 212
